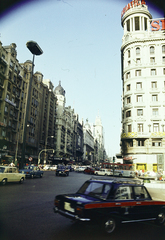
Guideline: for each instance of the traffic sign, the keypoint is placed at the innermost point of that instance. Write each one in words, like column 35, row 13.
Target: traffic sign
column 30, row 159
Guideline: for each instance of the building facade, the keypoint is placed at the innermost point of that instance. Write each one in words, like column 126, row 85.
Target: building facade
column 143, row 76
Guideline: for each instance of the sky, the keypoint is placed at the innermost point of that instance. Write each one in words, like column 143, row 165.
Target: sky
column 81, row 41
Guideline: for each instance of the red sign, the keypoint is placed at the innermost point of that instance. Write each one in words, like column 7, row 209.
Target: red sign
column 156, row 24
column 132, row 4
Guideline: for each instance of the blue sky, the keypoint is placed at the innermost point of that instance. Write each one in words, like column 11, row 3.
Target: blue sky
column 81, row 41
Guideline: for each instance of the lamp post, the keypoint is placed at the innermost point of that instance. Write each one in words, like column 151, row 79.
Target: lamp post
column 46, row 146
column 35, row 50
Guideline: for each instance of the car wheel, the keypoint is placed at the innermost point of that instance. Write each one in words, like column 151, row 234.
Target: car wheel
column 41, row 175
column 160, row 218
column 57, row 174
column 109, row 225
column 120, row 175
column 21, row 180
column 32, row 176
column 4, row 181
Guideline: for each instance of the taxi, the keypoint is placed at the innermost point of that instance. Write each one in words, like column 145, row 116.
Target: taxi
column 110, row 202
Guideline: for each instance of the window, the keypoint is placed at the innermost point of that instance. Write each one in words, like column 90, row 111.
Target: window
column 163, row 49
column 124, row 193
column 129, row 53
column 154, row 98
column 128, row 87
column 153, row 72
column 163, row 59
column 156, row 127
column 128, row 113
column 139, row 112
column 139, row 98
column 129, row 63
column 152, row 60
column 152, row 50
column 153, row 84
column 137, row 51
column 138, row 73
column 155, row 111
column 164, row 71
column 140, row 143
column 129, row 128
column 141, row 193
column 140, row 127
column 128, row 75
column 139, row 85
column 156, row 144
column 128, row 100
column 145, row 23
column 128, row 25
column 137, row 25
column 138, row 60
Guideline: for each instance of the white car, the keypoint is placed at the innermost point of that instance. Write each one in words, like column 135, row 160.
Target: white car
column 10, row 174
column 80, row 169
column 103, row 172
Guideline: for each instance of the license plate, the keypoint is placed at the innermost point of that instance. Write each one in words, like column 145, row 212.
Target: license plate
column 68, row 207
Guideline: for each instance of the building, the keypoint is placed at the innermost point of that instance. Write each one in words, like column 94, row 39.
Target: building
column 88, row 144
column 143, row 76
column 97, row 130
column 14, row 87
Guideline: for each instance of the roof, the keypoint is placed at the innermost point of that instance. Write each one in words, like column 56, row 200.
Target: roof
column 118, row 181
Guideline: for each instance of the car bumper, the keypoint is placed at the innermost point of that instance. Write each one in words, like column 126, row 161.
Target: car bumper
column 71, row 216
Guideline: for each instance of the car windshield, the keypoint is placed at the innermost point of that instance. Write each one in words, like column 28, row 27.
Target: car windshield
column 2, row 169
column 95, row 189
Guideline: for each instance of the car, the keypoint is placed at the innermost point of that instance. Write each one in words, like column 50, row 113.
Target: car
column 151, row 175
column 80, row 169
column 110, row 202
column 89, row 170
column 103, row 172
column 32, row 171
column 62, row 170
column 10, row 174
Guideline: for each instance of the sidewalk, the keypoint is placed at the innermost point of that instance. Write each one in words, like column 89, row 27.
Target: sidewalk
column 155, row 184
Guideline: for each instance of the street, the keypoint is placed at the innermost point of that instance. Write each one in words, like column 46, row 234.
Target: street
column 26, row 212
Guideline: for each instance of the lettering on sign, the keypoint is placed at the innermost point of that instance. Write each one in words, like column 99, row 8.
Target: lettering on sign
column 158, row 25
column 131, row 5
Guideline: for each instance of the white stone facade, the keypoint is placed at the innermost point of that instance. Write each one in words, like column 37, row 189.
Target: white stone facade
column 143, row 75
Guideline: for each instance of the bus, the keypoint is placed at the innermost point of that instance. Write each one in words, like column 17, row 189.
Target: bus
column 120, row 169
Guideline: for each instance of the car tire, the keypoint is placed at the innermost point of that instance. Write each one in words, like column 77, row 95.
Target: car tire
column 21, row 180
column 4, row 181
column 120, row 175
column 32, row 176
column 160, row 219
column 109, row 225
column 57, row 174
column 41, row 175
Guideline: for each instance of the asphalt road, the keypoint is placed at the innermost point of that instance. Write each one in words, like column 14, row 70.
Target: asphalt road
column 26, row 213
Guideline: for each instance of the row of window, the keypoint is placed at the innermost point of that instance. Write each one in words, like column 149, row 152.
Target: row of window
column 140, row 127
column 141, row 143
column 151, row 50
column 139, row 98
column 155, row 112
column 139, row 85
column 152, row 61
column 138, row 73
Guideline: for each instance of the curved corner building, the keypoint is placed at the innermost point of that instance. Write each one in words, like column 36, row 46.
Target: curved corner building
column 143, row 76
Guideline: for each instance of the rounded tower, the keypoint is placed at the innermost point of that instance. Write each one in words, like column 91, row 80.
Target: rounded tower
column 143, row 76
column 60, row 94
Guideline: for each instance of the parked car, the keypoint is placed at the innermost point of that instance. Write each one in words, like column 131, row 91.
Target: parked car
column 10, row 174
column 32, row 171
column 103, row 172
column 110, row 202
column 89, row 170
column 62, row 170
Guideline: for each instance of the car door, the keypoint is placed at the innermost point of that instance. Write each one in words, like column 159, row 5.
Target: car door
column 144, row 207
column 9, row 174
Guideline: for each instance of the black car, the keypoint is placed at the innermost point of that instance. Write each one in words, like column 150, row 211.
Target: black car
column 110, row 202
column 62, row 170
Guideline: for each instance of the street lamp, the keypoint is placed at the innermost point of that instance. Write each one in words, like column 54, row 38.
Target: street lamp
column 46, row 142
column 35, row 50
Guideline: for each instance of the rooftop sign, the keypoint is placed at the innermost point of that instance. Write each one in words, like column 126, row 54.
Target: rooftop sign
column 132, row 4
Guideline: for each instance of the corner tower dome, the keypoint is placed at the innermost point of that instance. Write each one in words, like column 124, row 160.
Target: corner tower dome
column 59, row 90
